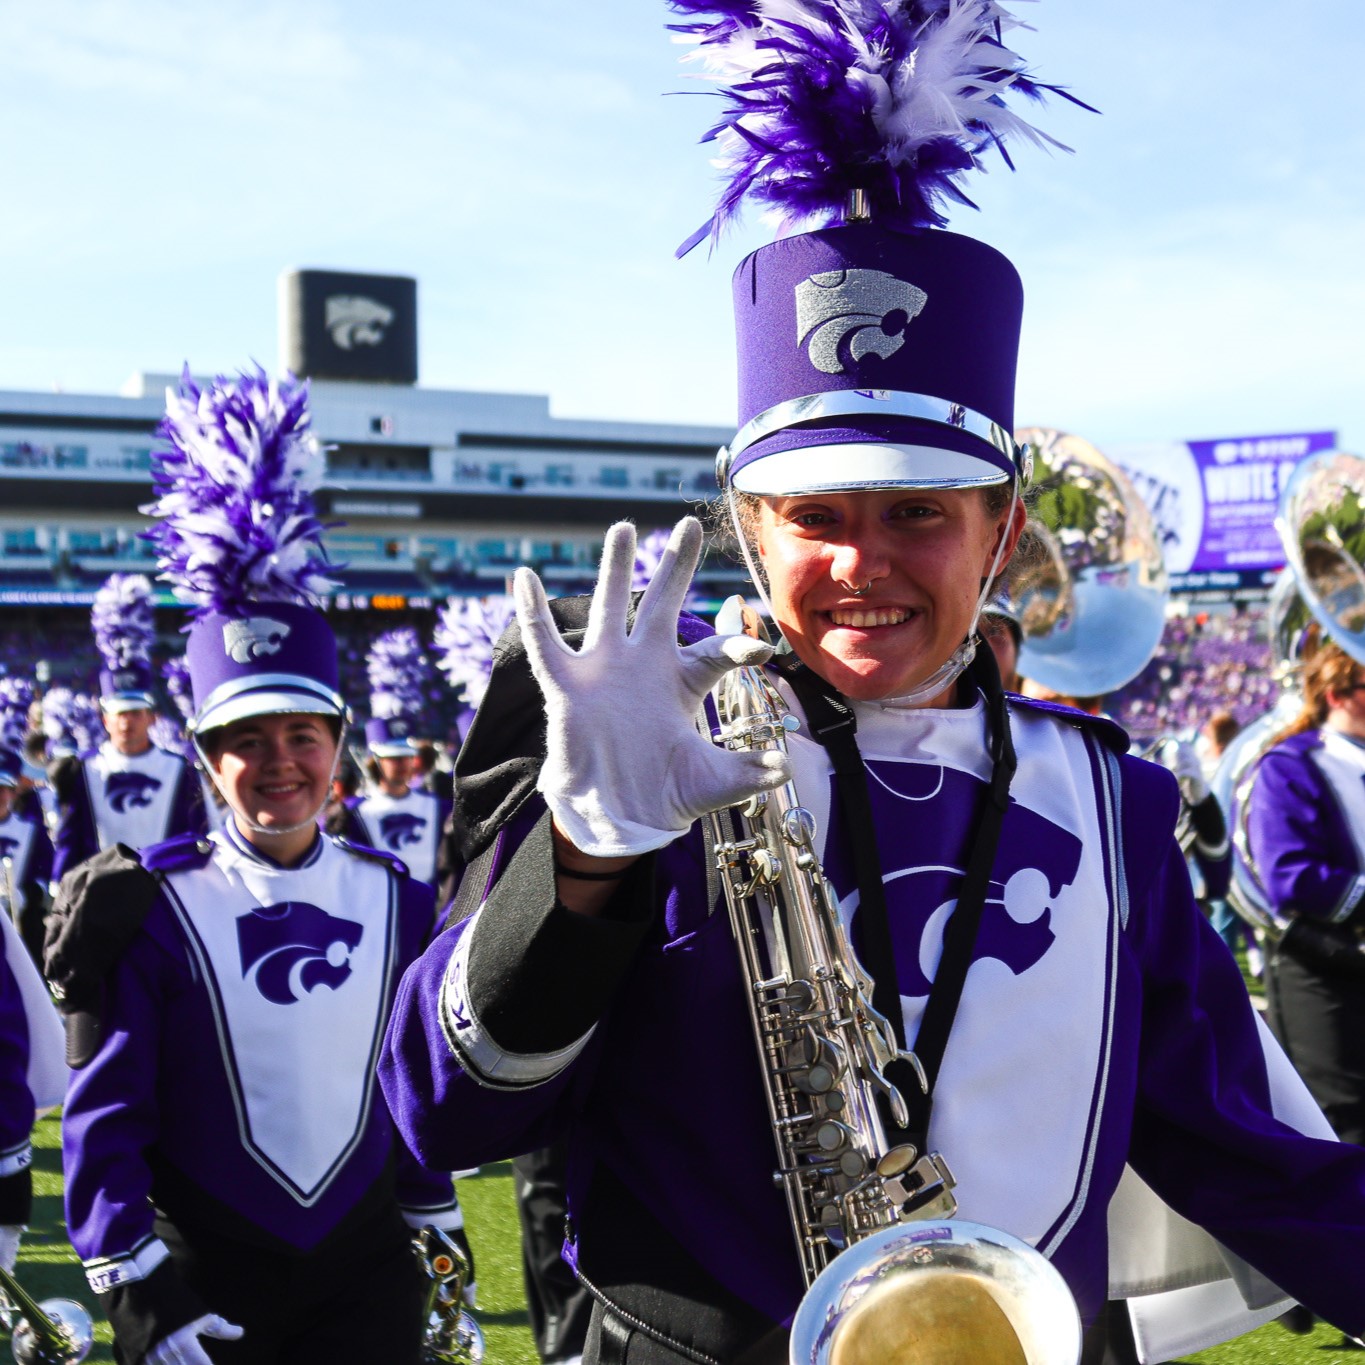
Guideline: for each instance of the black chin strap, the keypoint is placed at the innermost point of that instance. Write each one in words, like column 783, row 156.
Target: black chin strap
column 832, row 722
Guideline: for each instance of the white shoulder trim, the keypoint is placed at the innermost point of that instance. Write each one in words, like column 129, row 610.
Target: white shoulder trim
column 488, row 1063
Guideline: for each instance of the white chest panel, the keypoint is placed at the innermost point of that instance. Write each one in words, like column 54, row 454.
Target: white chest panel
column 406, row 826
column 130, row 798
column 299, row 964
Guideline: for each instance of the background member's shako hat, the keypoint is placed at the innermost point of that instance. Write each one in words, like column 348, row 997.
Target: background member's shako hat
column 124, row 626
column 238, row 539
column 399, row 672
column 878, row 350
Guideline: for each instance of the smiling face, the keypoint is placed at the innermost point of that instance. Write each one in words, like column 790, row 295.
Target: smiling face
column 922, row 553
column 275, row 770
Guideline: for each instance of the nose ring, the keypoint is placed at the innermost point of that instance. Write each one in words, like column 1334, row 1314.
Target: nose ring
column 863, row 591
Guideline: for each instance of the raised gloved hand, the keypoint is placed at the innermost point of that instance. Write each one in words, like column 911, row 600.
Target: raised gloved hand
column 182, row 1346
column 626, row 769
column 1183, row 761
column 11, row 1234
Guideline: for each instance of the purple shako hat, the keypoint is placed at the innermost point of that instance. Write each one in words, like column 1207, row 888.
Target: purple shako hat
column 877, row 350
column 239, row 541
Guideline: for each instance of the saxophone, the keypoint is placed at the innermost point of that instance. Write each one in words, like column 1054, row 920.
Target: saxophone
column 868, row 1218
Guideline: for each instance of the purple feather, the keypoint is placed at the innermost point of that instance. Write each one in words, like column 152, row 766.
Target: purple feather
column 177, row 675
column 894, row 98
column 16, row 697
column 466, row 631
column 123, row 620
column 649, row 552
column 399, row 673
column 71, row 722
column 234, row 494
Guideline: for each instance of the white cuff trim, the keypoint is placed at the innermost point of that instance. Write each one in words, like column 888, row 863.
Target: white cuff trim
column 108, row 1272
column 448, row 1218
column 481, row 1057
column 15, row 1159
column 1354, row 893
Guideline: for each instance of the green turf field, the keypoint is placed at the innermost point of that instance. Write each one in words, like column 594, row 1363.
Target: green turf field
column 48, row 1267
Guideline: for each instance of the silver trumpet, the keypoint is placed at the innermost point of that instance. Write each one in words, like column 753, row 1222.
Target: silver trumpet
column 54, row 1332
column 885, row 1281
column 451, row 1335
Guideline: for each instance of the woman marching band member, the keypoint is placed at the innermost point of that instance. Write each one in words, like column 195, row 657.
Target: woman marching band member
column 232, row 1181
column 1305, row 833
column 591, row 992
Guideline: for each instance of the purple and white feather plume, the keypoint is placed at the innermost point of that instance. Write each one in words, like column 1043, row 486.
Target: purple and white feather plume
column 399, row 673
column 16, row 697
column 71, row 721
column 179, row 687
column 649, row 553
column 234, row 494
column 123, row 621
column 896, row 98
column 467, row 628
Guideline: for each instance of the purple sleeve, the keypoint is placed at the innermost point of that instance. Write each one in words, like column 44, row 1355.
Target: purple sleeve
column 1204, row 1135
column 111, row 1116
column 188, row 814
column 39, row 856
column 1299, row 839
column 447, row 1120
column 16, row 1101
column 76, row 839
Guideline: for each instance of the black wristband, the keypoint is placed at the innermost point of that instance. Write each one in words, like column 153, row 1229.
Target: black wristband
column 589, row 876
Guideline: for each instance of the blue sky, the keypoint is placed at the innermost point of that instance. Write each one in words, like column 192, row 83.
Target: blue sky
column 1194, row 270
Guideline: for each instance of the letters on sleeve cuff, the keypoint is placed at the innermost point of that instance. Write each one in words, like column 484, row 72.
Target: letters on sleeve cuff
column 471, row 1042
column 145, row 1309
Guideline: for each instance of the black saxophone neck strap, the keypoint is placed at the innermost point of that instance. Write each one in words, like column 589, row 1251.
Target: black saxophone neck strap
column 832, row 723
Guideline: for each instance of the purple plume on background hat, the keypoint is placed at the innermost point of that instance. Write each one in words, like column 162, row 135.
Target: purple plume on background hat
column 875, row 351
column 124, row 625
column 16, row 697
column 467, row 628
column 649, row 553
column 239, row 541
column 71, row 722
column 399, row 673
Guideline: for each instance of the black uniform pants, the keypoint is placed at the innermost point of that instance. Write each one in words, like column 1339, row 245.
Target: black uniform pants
column 1319, row 1018
column 558, row 1306
column 356, row 1302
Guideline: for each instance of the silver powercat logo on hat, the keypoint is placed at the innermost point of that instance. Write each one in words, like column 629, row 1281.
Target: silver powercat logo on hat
column 250, row 639
column 855, row 305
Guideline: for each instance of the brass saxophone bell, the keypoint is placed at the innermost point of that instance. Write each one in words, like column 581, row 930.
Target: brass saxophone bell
column 951, row 1293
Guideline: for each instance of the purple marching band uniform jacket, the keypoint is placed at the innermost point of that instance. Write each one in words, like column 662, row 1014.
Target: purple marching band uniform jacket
column 24, row 841
column 1306, row 825
column 409, row 827
column 1103, row 1023
column 106, row 798
column 217, row 1086
column 32, row 1068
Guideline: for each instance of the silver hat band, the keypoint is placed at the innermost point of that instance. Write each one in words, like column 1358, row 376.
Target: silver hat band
column 923, row 407
column 262, row 682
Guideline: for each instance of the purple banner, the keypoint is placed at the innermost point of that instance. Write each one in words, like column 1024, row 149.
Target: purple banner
column 1215, row 501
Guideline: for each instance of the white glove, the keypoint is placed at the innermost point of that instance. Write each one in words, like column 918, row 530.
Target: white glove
column 1182, row 760
column 182, row 1346
column 10, row 1236
column 626, row 769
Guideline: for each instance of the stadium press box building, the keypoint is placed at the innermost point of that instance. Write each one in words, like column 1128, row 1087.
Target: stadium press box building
column 442, row 491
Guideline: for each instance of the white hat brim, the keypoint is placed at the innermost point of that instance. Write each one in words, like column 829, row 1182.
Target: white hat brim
column 864, row 467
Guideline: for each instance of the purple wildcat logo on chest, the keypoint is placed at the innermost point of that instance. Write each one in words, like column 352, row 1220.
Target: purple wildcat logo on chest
column 130, row 789
column 923, row 869
column 293, row 948
column 400, row 829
